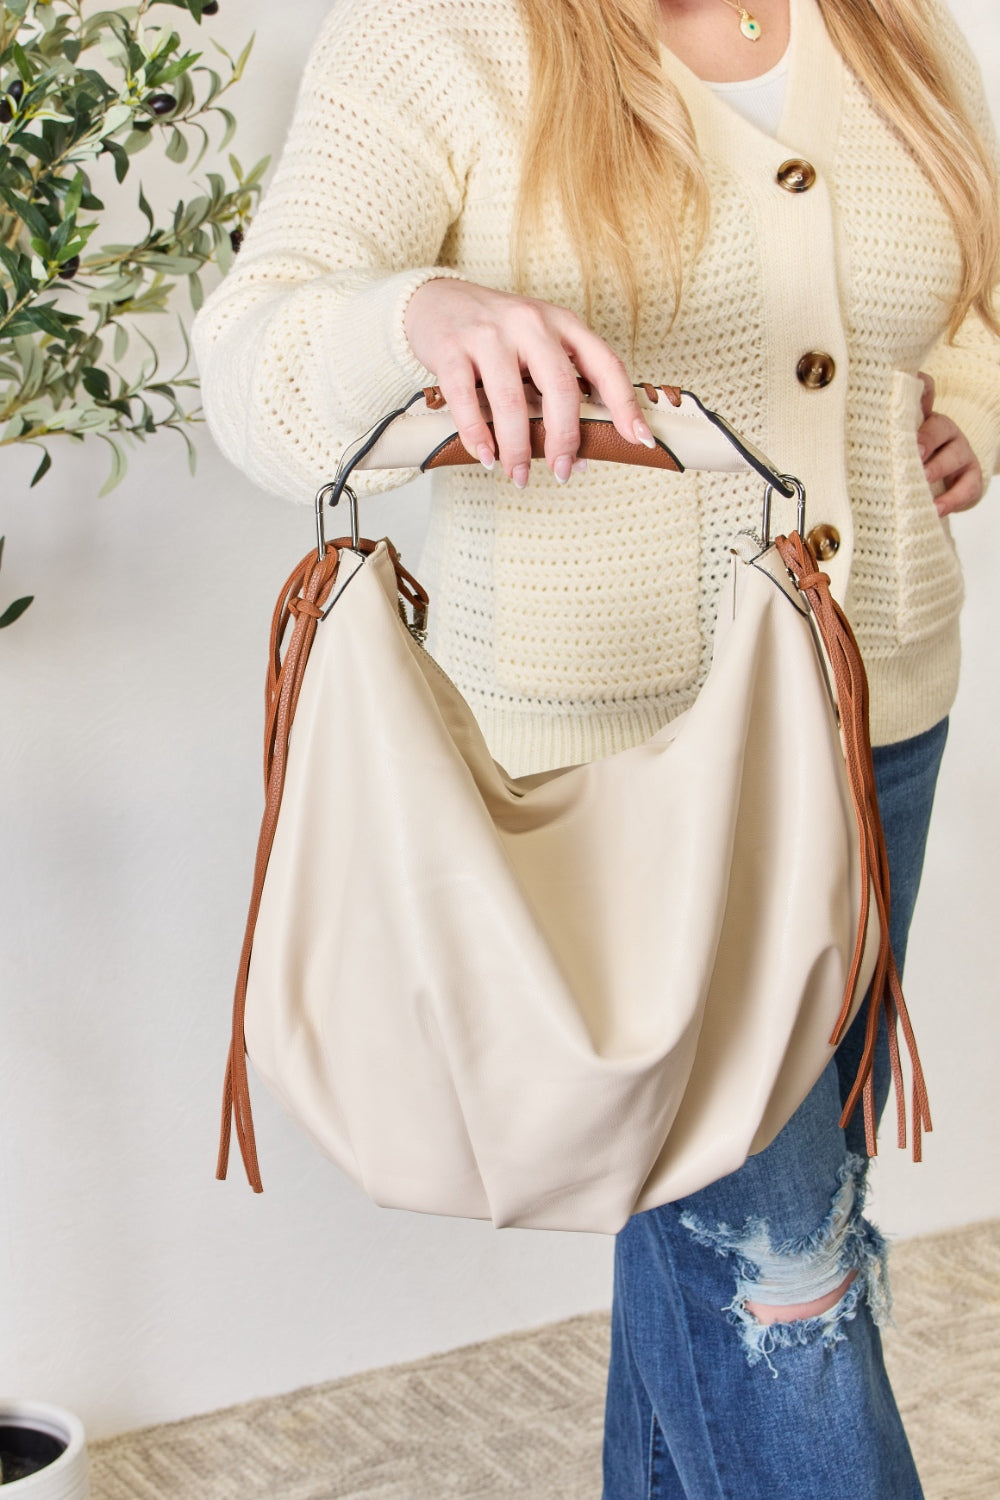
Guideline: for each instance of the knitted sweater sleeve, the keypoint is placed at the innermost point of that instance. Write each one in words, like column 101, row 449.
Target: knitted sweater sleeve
column 967, row 388
column 302, row 346
column 966, row 370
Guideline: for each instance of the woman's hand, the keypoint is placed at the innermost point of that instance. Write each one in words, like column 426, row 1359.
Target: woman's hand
column 465, row 332
column 947, row 457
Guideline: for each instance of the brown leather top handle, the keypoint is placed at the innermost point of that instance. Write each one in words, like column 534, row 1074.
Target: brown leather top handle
column 598, row 440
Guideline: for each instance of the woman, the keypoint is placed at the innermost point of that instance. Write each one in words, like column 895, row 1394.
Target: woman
column 495, row 189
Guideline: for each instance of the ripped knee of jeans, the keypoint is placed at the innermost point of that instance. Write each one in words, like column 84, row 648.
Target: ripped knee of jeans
column 797, row 1272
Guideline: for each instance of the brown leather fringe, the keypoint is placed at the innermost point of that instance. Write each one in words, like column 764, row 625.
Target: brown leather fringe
column 301, row 600
column 885, row 994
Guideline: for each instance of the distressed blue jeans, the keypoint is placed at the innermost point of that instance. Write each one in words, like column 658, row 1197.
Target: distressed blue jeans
column 704, row 1401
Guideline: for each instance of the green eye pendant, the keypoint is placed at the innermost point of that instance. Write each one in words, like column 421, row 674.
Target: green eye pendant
column 749, row 25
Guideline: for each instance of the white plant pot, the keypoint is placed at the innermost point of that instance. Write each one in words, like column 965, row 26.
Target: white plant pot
column 49, row 1430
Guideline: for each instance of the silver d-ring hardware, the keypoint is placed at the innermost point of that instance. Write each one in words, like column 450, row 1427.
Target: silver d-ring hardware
column 324, row 496
column 798, row 488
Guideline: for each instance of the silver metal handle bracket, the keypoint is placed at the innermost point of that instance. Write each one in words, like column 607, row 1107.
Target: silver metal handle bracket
column 795, row 487
column 324, row 496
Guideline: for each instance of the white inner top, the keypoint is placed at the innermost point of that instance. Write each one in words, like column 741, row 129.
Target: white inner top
column 760, row 100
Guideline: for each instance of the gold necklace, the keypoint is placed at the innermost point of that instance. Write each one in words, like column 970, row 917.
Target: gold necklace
column 749, row 25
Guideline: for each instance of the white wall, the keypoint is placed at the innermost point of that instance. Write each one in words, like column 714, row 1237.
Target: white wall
column 133, row 1287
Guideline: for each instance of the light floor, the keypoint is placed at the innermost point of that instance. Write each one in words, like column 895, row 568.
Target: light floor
column 521, row 1415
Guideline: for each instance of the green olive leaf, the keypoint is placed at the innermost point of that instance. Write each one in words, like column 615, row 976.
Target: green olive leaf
column 75, row 360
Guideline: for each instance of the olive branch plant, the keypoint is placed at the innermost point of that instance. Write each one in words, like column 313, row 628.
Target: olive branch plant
column 82, row 92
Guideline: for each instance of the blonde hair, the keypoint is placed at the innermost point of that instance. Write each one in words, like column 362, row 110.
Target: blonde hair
column 610, row 140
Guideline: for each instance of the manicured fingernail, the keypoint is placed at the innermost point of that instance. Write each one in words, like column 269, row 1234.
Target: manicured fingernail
column 643, row 433
column 486, row 457
column 563, row 467
column 520, row 476
column 580, row 466
column 921, row 450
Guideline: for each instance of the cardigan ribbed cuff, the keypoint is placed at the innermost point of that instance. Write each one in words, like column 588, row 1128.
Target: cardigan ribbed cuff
column 372, row 321
column 971, row 398
column 979, row 420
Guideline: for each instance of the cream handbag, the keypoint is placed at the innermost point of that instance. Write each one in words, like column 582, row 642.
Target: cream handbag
column 555, row 1000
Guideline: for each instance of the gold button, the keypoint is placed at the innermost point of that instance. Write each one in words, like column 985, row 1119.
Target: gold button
column 796, row 176
column 823, row 542
column 815, row 370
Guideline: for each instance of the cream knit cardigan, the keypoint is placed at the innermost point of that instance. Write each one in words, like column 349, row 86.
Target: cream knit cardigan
column 577, row 620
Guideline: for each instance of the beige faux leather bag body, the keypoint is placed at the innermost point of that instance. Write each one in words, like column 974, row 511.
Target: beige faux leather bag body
column 554, row 1000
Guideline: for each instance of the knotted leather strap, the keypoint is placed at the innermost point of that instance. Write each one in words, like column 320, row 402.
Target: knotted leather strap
column 301, row 600
column 885, row 994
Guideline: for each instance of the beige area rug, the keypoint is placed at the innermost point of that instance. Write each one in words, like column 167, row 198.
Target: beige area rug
column 521, row 1415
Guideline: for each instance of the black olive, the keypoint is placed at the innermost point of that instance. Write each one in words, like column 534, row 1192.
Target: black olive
column 236, row 239
column 211, row 9
column 161, row 104
column 69, row 268
column 15, row 92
